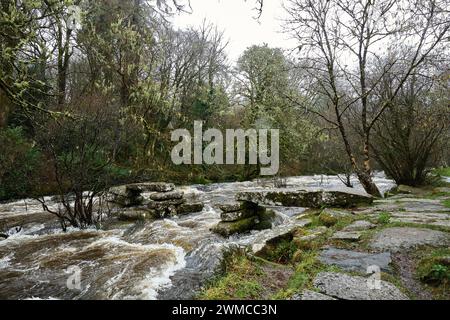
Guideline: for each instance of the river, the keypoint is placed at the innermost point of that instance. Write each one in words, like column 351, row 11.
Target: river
column 160, row 259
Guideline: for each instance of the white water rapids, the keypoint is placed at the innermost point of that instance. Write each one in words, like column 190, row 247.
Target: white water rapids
column 160, row 259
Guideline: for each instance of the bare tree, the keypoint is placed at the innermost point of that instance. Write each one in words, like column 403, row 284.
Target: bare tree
column 415, row 126
column 339, row 41
column 80, row 152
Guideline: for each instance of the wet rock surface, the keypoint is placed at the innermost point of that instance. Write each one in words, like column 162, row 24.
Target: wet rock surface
column 306, row 198
column 347, row 287
column 396, row 239
column 355, row 261
column 172, row 258
column 249, row 217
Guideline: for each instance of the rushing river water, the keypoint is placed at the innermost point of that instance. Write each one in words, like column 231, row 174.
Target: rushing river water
column 162, row 259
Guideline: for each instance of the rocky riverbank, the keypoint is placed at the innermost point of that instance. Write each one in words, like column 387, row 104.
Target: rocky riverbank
column 394, row 249
column 151, row 248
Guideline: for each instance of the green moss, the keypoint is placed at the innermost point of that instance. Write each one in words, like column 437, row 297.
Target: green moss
column 327, row 219
column 384, row 218
column 433, row 268
column 446, row 203
column 442, row 171
column 305, row 273
column 228, row 228
column 239, row 282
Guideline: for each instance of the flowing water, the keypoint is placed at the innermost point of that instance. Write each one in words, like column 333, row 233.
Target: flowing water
column 160, row 259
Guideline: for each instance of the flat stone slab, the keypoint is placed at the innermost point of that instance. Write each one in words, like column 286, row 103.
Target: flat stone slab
column 347, row 236
column 309, row 198
column 410, row 204
column 429, row 218
column 355, row 261
column 187, row 208
column 164, row 196
column 360, row 226
column 395, row 239
column 152, row 187
column 264, row 239
column 346, row 287
column 308, row 295
column 230, row 207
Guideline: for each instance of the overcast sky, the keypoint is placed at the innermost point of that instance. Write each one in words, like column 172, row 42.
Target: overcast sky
column 237, row 19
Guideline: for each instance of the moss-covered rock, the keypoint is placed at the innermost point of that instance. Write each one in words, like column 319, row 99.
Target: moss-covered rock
column 187, row 208
column 135, row 215
column 265, row 217
column 227, row 229
column 306, row 198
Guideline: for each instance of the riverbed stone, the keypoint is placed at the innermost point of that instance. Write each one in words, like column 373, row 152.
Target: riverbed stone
column 164, row 196
column 187, row 208
column 396, row 239
column 347, row 287
column 230, row 207
column 355, row 261
column 135, row 215
column 125, row 197
column 227, row 229
column 312, row 198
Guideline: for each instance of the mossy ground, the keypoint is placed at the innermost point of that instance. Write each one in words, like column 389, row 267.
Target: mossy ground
column 247, row 278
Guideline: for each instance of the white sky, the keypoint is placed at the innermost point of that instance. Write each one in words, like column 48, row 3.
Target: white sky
column 237, row 19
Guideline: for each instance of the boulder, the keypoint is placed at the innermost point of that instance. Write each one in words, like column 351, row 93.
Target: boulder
column 353, row 261
column 135, row 215
column 164, row 196
column 227, row 229
column 306, row 198
column 230, row 207
column 265, row 242
column 124, row 196
column 187, row 208
column 247, row 212
column 346, row 287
